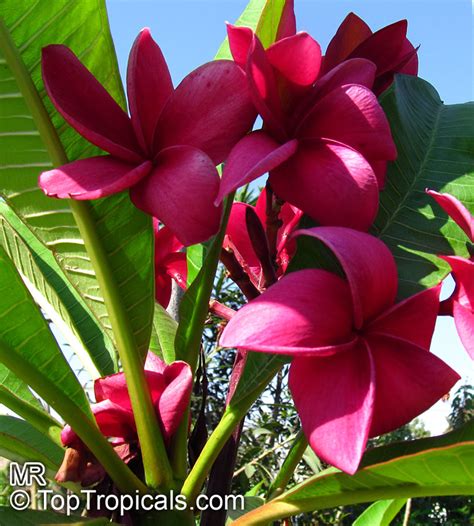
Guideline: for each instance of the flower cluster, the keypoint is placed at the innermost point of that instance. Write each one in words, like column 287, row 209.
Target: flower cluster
column 170, row 388
column 361, row 362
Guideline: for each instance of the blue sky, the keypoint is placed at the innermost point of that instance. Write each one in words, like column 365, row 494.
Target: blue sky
column 190, row 32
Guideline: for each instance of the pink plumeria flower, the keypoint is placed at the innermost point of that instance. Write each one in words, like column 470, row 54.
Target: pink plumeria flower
column 325, row 141
column 388, row 48
column 461, row 303
column 361, row 363
column 170, row 388
column 166, row 151
column 239, row 239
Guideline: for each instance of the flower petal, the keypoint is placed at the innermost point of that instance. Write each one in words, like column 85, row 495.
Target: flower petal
column 92, row 178
column 334, row 397
column 176, row 266
column 330, row 182
column 238, row 237
column 456, row 210
column 464, row 321
column 384, row 47
column 149, row 86
column 380, row 171
column 154, row 364
column 163, row 285
column 352, row 115
column 210, row 110
column 409, row 381
column 287, row 25
column 412, row 320
column 165, row 242
column 114, row 420
column 353, row 71
column 306, row 312
column 240, row 42
column 369, row 267
column 463, row 273
column 180, row 191
column 254, row 155
column 264, row 90
column 352, row 32
column 114, row 388
column 175, row 397
column 297, row 58
column 85, row 104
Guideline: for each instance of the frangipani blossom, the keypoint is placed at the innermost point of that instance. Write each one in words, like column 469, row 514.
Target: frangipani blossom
column 361, row 362
column 170, row 388
column 242, row 241
column 325, row 144
column 170, row 263
column 460, row 304
column 166, row 152
column 388, row 48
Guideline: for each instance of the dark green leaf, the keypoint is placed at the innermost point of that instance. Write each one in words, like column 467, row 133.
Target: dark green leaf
column 435, row 146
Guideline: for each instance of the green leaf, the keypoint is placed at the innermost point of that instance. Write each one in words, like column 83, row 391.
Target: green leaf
column 163, row 335
column 20, row 442
column 250, row 503
column 380, row 513
column 56, row 296
column 29, row 350
column 8, row 516
column 435, row 146
column 27, row 343
column 15, row 394
column 259, row 369
column 313, row 462
column 29, row 145
column 263, row 16
column 420, row 468
column 195, row 255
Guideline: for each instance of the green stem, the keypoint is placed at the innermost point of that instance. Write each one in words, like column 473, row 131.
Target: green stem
column 155, row 459
column 229, row 421
column 157, row 467
column 37, row 418
column 189, row 337
column 85, row 427
column 289, row 465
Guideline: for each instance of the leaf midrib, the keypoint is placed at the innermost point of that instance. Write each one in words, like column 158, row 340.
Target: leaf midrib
column 418, row 176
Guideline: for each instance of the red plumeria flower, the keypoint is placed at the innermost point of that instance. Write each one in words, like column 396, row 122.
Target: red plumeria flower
column 170, row 263
column 361, row 363
column 166, row 152
column 324, row 144
column 388, row 48
column 461, row 303
column 238, row 238
column 170, row 388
